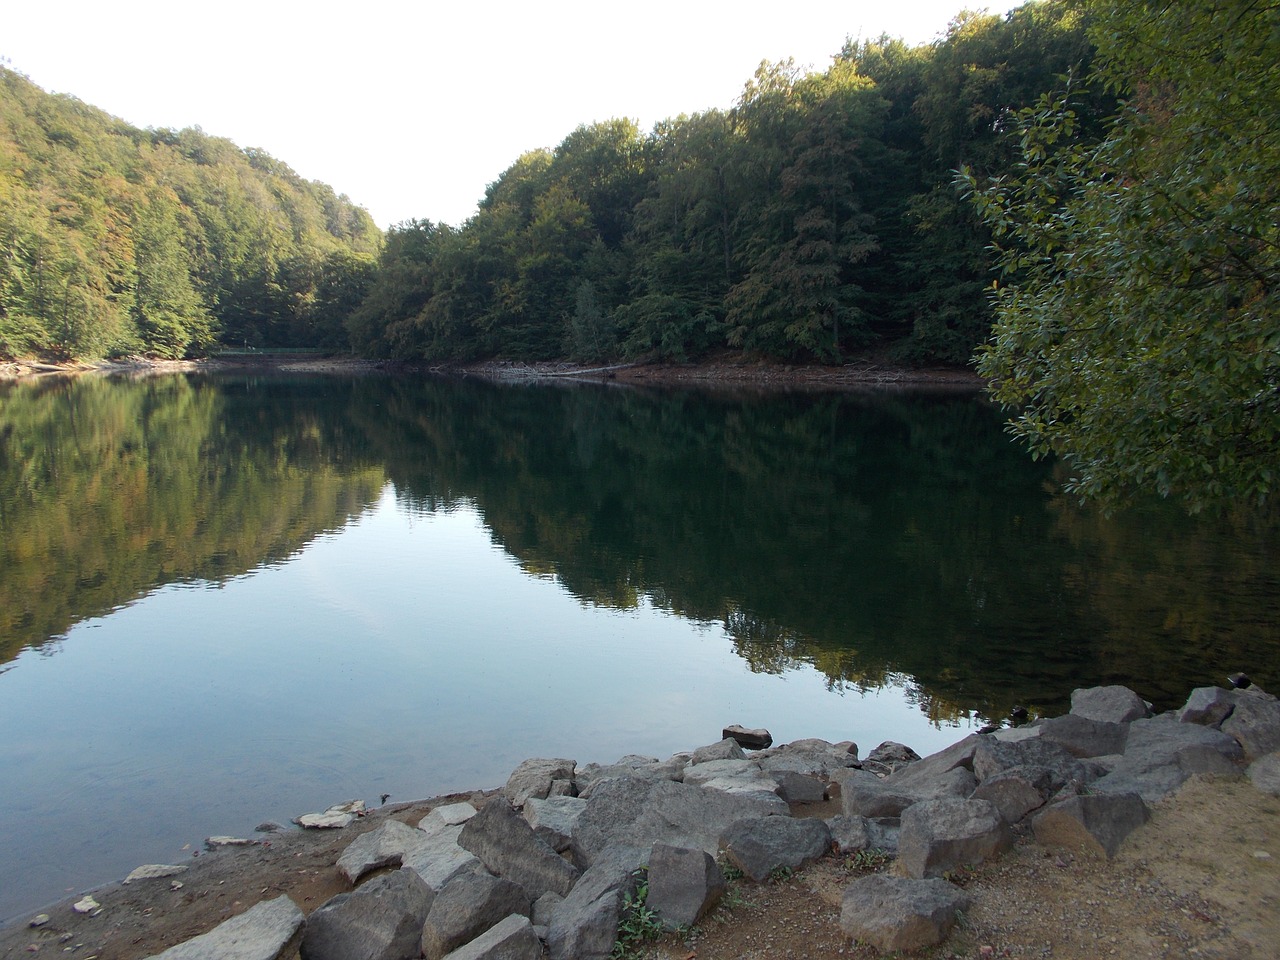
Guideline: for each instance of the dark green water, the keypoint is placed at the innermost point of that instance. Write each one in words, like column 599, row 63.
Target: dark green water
column 638, row 567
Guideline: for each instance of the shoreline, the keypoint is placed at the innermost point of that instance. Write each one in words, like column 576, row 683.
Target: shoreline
column 713, row 373
column 1201, row 877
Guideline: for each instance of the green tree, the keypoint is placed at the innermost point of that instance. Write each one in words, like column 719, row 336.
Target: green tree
column 167, row 309
column 1137, row 330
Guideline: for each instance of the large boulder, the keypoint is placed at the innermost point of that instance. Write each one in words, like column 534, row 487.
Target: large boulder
column 1207, row 706
column 798, row 787
column 584, row 925
column 761, row 845
column 752, row 739
column 1161, row 754
column 1264, row 773
column 1112, row 704
column 468, row 906
column 923, row 776
column 994, row 756
column 507, row 845
column 1084, row 737
column 940, row 835
column 684, row 884
column 889, row 757
column 512, row 939
column 635, row 768
column 436, row 856
column 1094, row 824
column 260, row 933
column 709, row 770
column 893, row 914
column 726, row 749
column 1255, row 722
column 534, row 778
column 381, row 920
column 383, row 847
column 811, row 758
column 641, row 813
column 1016, row 791
column 553, row 818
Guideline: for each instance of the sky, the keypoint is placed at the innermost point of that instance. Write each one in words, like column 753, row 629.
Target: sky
column 412, row 108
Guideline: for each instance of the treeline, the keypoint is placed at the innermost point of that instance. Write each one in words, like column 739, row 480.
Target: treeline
column 817, row 217
column 116, row 240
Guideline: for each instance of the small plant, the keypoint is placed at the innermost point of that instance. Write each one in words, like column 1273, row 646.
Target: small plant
column 637, row 923
column 731, row 871
column 867, row 861
column 781, row 874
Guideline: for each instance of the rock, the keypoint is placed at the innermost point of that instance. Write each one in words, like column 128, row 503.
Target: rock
column 1264, row 773
column 893, row 914
column 1207, row 706
column 761, row 845
column 863, row 794
column 381, row 920
column 1084, row 737
column 756, row 739
column 640, row 813
column 1031, row 756
column 923, row 774
column 889, row 756
column 506, row 844
column 1016, row 791
column 260, row 933
column 726, row 749
column 1255, row 722
column 849, row 834
column 437, row 857
column 724, row 770
column 543, row 906
column 1161, row 754
column 383, row 847
column 268, row 826
column 1095, row 824
column 447, row 815
column 585, row 924
column 39, row 920
column 533, row 778
column 468, row 906
column 940, row 835
column 812, row 758
column 684, row 884
column 884, row 834
column 335, row 818
column 512, row 939
column 1016, row 734
column 927, row 783
column 553, row 818
column 1111, row 704
column 213, row 843
column 86, row 904
column 154, row 871
column 798, row 787
column 593, row 773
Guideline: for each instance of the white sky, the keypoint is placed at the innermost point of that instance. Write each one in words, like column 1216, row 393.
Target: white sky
column 411, row 108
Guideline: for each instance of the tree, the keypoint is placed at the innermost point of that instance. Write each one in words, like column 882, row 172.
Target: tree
column 167, row 309
column 1137, row 331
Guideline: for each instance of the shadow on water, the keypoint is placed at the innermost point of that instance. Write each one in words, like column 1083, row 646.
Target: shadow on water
column 882, row 537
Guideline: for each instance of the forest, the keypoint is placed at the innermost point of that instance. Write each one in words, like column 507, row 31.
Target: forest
column 816, row 217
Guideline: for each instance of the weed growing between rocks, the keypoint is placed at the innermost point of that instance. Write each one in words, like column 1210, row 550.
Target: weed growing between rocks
column 637, row 923
column 867, row 861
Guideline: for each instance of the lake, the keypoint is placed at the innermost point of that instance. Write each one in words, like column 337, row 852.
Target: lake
column 229, row 599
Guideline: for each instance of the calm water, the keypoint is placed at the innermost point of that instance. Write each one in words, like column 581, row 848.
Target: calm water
column 230, row 600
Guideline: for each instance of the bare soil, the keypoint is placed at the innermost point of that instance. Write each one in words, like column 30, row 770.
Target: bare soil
column 1202, row 879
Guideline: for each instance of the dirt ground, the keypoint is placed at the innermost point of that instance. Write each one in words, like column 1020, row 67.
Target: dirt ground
column 1202, row 880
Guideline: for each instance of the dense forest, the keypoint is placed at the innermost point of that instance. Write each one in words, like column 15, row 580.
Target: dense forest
column 116, row 240
column 815, row 217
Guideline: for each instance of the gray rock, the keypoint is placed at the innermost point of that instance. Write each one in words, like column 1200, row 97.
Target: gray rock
column 543, row 906
column 1016, row 734
column 1094, row 824
column 1264, row 773
column 383, row 847
column 1207, row 706
column 553, row 818
column 512, row 939
column 863, row 794
column 919, row 776
column 335, row 818
column 849, row 834
column 885, row 834
column 1161, row 754
column 894, row 914
column 755, row 786
column 154, row 871
column 641, row 813
column 1016, row 791
column 506, row 844
column 761, row 845
column 995, row 756
column 1255, row 722
column 813, row 758
column 437, row 857
column 890, row 756
column 585, row 924
column 940, row 835
column 1084, row 737
column 798, row 787
column 1111, row 704
column 684, row 884
column 958, row 781
column 468, row 906
column 593, row 773
column 533, row 778
column 723, row 769
column 726, row 749
column 447, row 815
column 380, row 920
column 752, row 739
column 260, row 933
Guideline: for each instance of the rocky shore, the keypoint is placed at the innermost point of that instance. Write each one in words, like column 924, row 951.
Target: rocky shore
column 744, row 849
